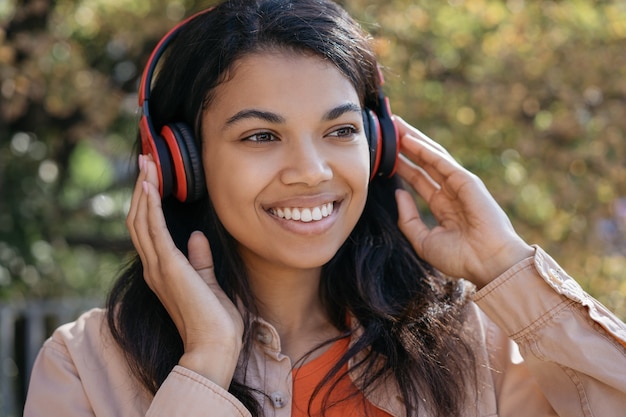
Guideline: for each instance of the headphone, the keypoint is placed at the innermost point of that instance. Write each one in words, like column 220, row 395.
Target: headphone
column 179, row 164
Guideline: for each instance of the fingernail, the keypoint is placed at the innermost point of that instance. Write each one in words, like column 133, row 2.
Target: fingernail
column 144, row 185
column 140, row 162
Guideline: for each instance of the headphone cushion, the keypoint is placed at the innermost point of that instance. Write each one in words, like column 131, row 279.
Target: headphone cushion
column 373, row 134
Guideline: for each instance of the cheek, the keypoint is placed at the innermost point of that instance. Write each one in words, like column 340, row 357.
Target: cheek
column 223, row 184
column 234, row 186
column 354, row 168
column 229, row 186
column 234, row 206
column 359, row 167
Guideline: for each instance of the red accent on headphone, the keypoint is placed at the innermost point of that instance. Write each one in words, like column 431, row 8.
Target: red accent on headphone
column 182, row 186
column 146, row 78
column 395, row 135
column 378, row 137
column 390, row 142
column 149, row 147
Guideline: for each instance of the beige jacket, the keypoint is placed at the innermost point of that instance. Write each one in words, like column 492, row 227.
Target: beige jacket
column 573, row 350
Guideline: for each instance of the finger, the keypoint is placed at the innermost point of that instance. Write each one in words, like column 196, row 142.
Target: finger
column 147, row 172
column 200, row 256
column 417, row 178
column 149, row 218
column 405, row 128
column 137, row 201
column 137, row 192
column 152, row 226
column 140, row 235
column 151, row 170
column 439, row 165
column 410, row 222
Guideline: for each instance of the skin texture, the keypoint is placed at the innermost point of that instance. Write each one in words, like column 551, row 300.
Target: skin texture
column 285, row 130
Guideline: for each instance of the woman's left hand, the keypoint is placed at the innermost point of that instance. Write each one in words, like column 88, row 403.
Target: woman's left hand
column 474, row 238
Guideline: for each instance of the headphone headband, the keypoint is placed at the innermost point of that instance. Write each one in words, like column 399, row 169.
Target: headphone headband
column 148, row 72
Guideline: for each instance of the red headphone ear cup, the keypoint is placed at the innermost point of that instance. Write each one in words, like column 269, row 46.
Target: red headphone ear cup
column 155, row 145
column 374, row 140
column 188, row 175
column 390, row 140
column 382, row 136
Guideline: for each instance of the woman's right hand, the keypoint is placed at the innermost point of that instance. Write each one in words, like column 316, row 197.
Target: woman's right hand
column 208, row 322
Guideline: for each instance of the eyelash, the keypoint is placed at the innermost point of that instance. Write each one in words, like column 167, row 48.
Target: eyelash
column 352, row 130
column 269, row 137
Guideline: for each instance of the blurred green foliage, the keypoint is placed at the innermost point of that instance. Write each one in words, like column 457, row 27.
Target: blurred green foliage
column 531, row 96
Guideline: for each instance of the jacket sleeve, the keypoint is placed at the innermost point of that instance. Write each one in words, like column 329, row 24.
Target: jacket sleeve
column 80, row 372
column 573, row 347
column 185, row 393
column 55, row 388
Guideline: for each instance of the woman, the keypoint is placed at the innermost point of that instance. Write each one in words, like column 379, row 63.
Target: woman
column 286, row 276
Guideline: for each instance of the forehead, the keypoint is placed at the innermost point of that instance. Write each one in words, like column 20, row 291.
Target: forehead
column 275, row 77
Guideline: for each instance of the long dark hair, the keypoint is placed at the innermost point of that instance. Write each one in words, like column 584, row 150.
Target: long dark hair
column 410, row 316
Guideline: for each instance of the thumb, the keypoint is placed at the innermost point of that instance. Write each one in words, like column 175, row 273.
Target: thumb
column 409, row 220
column 200, row 256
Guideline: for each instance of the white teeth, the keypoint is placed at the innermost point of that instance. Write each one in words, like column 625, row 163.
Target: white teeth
column 305, row 214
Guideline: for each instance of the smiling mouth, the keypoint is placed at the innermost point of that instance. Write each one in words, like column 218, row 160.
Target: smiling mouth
column 303, row 214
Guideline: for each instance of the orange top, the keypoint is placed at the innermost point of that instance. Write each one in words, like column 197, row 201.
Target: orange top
column 306, row 378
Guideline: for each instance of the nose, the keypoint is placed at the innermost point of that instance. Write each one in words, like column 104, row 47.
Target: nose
column 306, row 162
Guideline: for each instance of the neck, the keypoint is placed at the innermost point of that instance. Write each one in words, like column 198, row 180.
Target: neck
column 289, row 300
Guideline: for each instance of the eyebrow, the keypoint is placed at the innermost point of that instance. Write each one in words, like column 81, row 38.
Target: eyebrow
column 271, row 117
column 339, row 111
column 255, row 114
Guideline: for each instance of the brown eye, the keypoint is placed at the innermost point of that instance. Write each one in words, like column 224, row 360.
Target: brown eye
column 261, row 137
column 344, row 132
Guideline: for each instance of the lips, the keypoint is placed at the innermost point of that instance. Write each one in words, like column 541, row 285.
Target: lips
column 303, row 214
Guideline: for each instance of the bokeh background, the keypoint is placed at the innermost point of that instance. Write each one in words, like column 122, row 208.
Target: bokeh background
column 529, row 95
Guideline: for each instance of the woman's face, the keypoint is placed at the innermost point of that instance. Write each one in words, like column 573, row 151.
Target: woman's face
column 286, row 160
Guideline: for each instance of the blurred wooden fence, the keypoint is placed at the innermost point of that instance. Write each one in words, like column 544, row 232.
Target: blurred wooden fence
column 24, row 326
